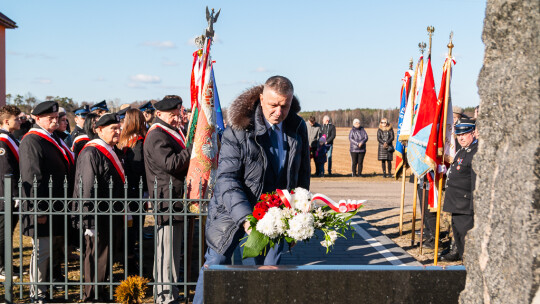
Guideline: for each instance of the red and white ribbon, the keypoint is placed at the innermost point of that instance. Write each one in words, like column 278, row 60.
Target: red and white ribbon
column 178, row 136
column 342, row 206
column 68, row 155
column 285, row 197
column 107, row 150
column 79, row 139
column 11, row 144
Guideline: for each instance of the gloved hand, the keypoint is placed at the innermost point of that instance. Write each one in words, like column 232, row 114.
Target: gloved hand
column 90, row 232
column 441, row 169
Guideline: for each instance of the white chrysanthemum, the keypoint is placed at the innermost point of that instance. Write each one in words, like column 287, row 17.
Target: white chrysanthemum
column 272, row 224
column 287, row 213
column 301, row 227
column 302, row 200
column 319, row 213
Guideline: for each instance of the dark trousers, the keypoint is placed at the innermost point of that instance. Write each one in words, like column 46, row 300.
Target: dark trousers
column 14, row 220
column 319, row 168
column 461, row 224
column 329, row 149
column 96, row 246
column 430, row 218
column 357, row 162
column 388, row 164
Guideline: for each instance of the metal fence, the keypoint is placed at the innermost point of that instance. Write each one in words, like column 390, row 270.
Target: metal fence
column 133, row 239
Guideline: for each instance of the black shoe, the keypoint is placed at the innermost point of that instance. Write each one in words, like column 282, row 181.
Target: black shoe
column 429, row 243
column 451, row 257
column 384, row 175
column 354, row 175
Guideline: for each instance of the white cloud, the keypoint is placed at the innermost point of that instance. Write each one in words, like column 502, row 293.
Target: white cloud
column 160, row 44
column 145, row 78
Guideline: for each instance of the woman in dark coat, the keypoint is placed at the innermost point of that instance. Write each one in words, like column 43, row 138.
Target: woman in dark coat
column 357, row 138
column 131, row 143
column 385, row 137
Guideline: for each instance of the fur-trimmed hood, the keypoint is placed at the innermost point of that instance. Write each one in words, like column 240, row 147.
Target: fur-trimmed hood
column 241, row 113
column 387, row 128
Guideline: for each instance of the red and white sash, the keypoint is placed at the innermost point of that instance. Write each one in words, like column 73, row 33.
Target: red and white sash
column 68, row 155
column 178, row 136
column 340, row 207
column 78, row 139
column 11, row 144
column 107, row 150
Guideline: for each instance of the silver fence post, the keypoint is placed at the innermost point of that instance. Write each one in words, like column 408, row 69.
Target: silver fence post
column 8, row 257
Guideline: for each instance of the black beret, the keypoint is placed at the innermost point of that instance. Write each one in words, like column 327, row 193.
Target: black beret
column 108, row 119
column 45, row 107
column 169, row 102
column 147, row 107
column 465, row 125
column 82, row 111
column 122, row 113
column 100, row 106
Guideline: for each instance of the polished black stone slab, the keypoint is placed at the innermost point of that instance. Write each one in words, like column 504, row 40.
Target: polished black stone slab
column 333, row 284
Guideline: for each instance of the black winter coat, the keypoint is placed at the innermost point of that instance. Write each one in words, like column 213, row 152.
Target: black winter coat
column 244, row 169
column 42, row 159
column 357, row 136
column 9, row 164
column 461, row 182
column 330, row 131
column 385, row 135
column 165, row 161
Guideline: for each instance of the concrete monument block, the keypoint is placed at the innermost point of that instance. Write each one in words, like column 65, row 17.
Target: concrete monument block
column 502, row 251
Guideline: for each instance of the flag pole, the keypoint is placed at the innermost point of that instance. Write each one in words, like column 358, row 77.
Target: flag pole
column 422, row 219
column 402, row 205
column 413, row 229
column 440, row 176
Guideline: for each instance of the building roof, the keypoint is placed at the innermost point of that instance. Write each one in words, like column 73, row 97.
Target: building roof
column 6, row 22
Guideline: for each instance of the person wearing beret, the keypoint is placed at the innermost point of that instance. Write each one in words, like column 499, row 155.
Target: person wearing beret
column 80, row 116
column 9, row 164
column 100, row 108
column 460, row 184
column 166, row 159
column 148, row 111
column 44, row 158
column 100, row 160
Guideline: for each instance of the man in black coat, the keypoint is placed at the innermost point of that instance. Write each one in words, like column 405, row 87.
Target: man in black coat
column 264, row 148
column 44, row 157
column 9, row 164
column 460, row 186
column 329, row 130
column 166, row 159
column 100, row 161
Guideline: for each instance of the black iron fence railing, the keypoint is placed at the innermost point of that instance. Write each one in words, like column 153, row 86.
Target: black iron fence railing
column 129, row 222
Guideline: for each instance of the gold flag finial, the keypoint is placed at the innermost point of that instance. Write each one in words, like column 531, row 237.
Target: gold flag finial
column 430, row 30
column 422, row 47
column 411, row 63
column 450, row 44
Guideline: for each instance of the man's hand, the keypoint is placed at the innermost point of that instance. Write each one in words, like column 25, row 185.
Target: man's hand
column 247, row 227
column 42, row 219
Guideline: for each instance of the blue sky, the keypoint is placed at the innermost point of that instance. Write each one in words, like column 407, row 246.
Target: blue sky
column 341, row 54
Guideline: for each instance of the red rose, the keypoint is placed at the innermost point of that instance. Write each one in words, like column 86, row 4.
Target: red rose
column 259, row 213
column 262, row 205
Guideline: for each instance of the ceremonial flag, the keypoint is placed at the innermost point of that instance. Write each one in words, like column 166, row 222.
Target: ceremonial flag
column 412, row 100
column 416, row 148
column 441, row 151
column 194, row 90
column 219, row 114
column 400, row 149
column 203, row 164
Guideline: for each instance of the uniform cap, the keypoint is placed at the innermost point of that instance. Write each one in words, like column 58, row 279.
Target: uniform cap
column 122, row 113
column 108, row 119
column 169, row 102
column 82, row 111
column 45, row 107
column 100, row 106
column 147, row 107
column 465, row 125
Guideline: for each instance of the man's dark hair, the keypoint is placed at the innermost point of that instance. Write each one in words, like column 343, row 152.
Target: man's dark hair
column 7, row 111
column 312, row 119
column 281, row 85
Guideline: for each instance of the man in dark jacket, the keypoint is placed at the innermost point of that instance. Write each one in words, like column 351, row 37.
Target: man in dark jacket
column 99, row 161
column 264, row 148
column 44, row 157
column 329, row 130
column 9, row 164
column 460, row 186
column 166, row 160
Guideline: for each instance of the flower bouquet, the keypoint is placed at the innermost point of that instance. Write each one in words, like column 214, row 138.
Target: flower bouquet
column 294, row 217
